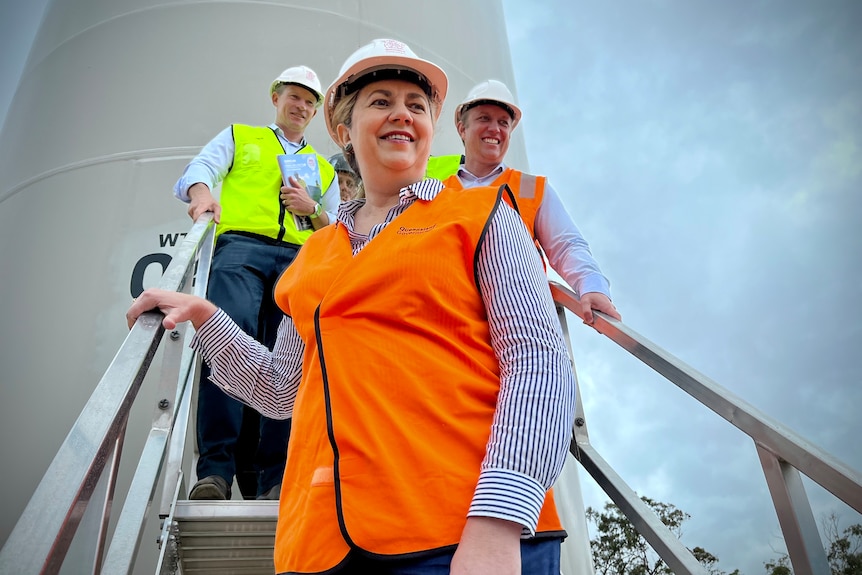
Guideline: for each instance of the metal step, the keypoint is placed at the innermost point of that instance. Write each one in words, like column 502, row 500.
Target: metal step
column 225, row 537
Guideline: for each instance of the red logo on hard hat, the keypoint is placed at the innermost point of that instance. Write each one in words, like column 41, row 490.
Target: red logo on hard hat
column 394, row 46
column 309, row 75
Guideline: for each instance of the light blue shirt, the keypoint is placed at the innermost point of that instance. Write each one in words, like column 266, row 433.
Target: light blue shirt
column 567, row 251
column 211, row 166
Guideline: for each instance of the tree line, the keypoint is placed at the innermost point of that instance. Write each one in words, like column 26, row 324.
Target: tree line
column 618, row 549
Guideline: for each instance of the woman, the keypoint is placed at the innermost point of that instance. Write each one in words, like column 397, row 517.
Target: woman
column 420, row 358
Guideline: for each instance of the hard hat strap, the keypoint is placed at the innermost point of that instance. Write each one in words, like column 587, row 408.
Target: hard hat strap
column 354, row 84
column 497, row 103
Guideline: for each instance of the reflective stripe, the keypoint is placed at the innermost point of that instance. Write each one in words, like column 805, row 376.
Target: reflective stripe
column 528, row 186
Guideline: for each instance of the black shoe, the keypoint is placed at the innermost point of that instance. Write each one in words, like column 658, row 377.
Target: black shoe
column 212, row 488
column 272, row 494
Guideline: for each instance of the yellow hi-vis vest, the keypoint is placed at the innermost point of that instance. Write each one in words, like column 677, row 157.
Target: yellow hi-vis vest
column 441, row 167
column 250, row 193
column 386, row 450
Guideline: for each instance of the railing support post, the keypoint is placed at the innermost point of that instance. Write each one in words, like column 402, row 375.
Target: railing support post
column 794, row 515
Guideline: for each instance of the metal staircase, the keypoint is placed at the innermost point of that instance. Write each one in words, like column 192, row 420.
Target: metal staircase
column 66, row 525
column 220, row 538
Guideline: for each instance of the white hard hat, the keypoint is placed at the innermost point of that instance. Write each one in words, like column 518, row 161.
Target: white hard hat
column 301, row 76
column 372, row 61
column 490, row 92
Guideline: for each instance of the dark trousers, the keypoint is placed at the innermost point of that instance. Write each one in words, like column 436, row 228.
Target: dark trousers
column 538, row 557
column 233, row 439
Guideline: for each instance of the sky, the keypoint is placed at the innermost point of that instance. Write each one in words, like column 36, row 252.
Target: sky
column 710, row 153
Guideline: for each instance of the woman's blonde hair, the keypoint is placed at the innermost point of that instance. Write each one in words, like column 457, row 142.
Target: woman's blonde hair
column 342, row 113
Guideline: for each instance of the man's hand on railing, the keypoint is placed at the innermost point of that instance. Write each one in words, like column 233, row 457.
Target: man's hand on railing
column 202, row 201
column 599, row 302
column 177, row 307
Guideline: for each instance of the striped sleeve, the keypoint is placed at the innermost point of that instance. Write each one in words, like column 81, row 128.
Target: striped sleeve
column 246, row 370
column 532, row 425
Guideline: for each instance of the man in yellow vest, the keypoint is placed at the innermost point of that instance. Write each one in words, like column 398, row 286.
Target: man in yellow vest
column 259, row 231
column 485, row 119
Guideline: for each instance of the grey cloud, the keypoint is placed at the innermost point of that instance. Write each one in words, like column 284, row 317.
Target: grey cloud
column 710, row 153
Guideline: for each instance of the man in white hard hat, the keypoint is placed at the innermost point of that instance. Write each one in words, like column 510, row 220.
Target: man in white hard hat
column 257, row 238
column 485, row 119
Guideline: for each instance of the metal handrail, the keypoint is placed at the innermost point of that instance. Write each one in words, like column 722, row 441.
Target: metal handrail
column 43, row 534
column 675, row 555
column 783, row 452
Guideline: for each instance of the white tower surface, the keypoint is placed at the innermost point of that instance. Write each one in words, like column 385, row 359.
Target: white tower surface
column 114, row 100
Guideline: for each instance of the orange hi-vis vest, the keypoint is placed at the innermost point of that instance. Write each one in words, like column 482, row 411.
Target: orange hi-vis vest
column 399, row 387
column 529, row 191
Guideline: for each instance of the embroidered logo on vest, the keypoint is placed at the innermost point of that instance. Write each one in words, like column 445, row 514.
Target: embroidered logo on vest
column 406, row 231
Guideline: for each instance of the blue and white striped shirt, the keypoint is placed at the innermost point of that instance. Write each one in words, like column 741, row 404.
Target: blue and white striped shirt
column 530, row 435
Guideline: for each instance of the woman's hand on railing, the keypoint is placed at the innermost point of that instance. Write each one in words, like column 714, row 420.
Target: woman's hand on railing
column 177, row 307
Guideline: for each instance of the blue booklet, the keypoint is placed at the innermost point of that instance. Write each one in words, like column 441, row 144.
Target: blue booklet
column 304, row 169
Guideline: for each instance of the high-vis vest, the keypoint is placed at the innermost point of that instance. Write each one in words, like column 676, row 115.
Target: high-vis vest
column 529, row 191
column 250, row 193
column 399, row 387
column 441, row 167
